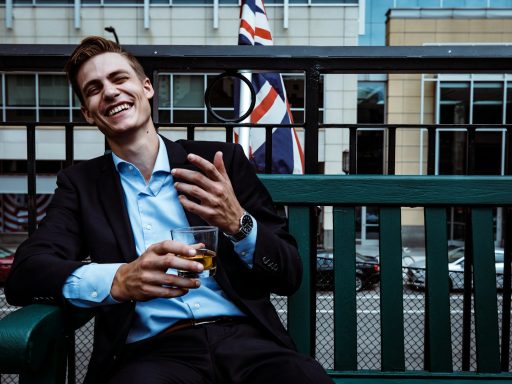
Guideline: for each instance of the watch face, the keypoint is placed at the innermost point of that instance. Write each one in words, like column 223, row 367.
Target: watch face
column 246, row 224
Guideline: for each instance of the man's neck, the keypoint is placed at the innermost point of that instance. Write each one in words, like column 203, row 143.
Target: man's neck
column 141, row 152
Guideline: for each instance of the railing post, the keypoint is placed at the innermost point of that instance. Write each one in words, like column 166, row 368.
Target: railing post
column 431, row 151
column 311, row 122
column 31, row 178
column 391, row 150
column 69, row 145
column 268, row 149
column 352, row 150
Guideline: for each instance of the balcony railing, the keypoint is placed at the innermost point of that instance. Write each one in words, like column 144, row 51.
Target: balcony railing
column 312, row 62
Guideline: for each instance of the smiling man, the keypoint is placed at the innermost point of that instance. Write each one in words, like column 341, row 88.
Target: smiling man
column 152, row 326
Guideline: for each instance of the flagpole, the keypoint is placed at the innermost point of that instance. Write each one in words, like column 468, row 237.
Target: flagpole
column 245, row 104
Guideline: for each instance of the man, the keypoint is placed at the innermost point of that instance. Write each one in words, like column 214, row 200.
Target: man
column 151, row 325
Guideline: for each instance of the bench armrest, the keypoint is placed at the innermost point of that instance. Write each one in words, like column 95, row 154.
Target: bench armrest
column 25, row 337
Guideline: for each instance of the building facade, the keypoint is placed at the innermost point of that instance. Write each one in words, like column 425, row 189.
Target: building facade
column 346, row 99
column 46, row 97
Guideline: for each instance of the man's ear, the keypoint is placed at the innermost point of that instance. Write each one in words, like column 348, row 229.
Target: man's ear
column 87, row 115
column 148, row 88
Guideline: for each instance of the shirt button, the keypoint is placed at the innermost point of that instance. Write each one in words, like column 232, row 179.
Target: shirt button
column 244, row 253
column 148, row 227
column 130, row 167
column 197, row 305
column 94, row 294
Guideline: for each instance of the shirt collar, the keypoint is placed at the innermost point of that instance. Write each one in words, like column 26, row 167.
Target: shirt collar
column 161, row 163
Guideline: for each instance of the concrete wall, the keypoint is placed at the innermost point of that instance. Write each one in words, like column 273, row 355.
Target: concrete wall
column 190, row 25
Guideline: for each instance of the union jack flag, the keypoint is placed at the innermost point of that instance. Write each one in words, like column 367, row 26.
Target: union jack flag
column 271, row 101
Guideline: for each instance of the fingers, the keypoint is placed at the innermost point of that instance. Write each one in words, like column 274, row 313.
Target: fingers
column 204, row 165
column 146, row 278
column 211, row 172
column 218, row 162
column 172, row 247
column 216, row 202
column 166, row 286
column 204, row 210
column 212, row 189
column 166, row 257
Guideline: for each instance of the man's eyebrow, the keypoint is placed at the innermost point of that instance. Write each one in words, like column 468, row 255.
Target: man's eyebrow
column 117, row 73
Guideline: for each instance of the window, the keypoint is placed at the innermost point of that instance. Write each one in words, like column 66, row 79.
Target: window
column 370, row 142
column 452, row 152
column 454, row 103
column 20, row 90
column 472, row 102
column 464, row 3
column 42, row 97
column 181, row 97
column 508, row 111
column 488, row 103
column 370, row 102
column 20, row 97
column 370, row 151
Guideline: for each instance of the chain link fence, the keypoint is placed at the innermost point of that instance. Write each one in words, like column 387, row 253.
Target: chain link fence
column 368, row 326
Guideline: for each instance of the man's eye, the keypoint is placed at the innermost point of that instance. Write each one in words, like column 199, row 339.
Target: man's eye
column 121, row 78
column 91, row 91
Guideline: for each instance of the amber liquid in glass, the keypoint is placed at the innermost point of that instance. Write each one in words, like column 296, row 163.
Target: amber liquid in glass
column 205, row 257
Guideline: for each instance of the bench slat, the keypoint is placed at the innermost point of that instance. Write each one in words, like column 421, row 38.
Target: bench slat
column 390, row 190
column 438, row 354
column 418, row 377
column 391, row 288
column 345, row 311
column 484, row 276
column 301, row 309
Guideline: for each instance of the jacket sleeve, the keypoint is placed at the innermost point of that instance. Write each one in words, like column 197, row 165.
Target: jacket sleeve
column 44, row 261
column 276, row 262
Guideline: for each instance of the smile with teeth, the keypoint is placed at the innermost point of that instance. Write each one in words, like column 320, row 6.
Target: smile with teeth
column 119, row 108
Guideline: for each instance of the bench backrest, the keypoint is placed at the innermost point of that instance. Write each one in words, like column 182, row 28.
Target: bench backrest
column 390, row 193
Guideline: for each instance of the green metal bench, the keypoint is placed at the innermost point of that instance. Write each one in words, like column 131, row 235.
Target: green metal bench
column 27, row 333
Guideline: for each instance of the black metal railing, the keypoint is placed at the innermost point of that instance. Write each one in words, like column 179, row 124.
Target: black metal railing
column 312, row 62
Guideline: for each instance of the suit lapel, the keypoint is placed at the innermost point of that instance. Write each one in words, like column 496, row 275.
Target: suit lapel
column 112, row 199
column 178, row 159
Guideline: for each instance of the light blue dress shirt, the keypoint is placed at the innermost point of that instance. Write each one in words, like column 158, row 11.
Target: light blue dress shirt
column 154, row 209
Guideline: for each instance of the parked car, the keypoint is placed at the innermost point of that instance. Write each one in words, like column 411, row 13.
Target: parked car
column 6, row 258
column 367, row 271
column 415, row 275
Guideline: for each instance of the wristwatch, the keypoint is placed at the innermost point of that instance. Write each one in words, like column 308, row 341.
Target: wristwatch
column 246, row 225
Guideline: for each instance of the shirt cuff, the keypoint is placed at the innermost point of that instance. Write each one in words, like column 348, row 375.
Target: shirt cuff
column 245, row 247
column 89, row 286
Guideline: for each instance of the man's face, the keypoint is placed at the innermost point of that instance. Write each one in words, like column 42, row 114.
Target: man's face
column 115, row 99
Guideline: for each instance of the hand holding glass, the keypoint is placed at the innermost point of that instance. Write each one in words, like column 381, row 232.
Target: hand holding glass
column 204, row 239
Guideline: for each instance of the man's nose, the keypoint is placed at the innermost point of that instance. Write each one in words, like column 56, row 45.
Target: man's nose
column 110, row 90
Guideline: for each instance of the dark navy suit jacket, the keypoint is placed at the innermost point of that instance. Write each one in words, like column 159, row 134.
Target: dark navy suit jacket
column 88, row 219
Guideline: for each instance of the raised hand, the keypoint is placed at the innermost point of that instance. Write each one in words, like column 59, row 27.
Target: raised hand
column 218, row 204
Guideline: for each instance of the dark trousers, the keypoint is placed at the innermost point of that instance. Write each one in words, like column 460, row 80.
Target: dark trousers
column 223, row 353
